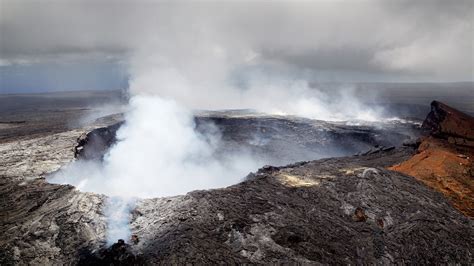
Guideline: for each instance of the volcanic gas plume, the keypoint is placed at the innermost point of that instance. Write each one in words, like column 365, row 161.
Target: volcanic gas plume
column 158, row 151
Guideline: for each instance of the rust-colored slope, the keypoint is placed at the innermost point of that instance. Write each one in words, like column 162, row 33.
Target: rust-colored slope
column 446, row 169
column 442, row 163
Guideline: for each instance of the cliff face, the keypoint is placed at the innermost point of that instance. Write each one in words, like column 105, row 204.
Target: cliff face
column 448, row 123
column 274, row 140
column 444, row 159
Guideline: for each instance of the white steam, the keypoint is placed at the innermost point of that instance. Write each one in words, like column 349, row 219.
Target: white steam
column 118, row 215
column 228, row 78
column 158, row 150
column 158, row 153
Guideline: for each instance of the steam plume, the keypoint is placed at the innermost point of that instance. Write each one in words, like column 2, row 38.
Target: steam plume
column 118, row 215
column 159, row 152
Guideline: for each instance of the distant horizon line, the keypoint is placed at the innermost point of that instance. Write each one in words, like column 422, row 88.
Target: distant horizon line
column 311, row 83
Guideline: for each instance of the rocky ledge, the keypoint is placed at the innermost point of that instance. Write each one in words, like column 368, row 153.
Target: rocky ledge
column 450, row 124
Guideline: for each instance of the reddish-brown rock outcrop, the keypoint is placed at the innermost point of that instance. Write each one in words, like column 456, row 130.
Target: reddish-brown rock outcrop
column 444, row 159
column 448, row 123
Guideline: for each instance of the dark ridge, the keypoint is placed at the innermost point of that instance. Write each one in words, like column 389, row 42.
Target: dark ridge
column 97, row 142
column 13, row 122
column 448, row 123
column 119, row 253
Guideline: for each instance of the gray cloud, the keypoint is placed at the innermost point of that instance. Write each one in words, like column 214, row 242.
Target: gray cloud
column 425, row 40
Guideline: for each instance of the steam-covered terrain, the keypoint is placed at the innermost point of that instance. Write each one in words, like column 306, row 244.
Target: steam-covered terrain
column 349, row 209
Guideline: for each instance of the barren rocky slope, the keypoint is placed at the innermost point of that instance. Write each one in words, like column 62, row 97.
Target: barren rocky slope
column 328, row 211
column 45, row 224
column 340, row 210
column 42, row 223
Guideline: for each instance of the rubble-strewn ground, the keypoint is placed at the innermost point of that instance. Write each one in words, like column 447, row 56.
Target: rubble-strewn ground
column 340, row 210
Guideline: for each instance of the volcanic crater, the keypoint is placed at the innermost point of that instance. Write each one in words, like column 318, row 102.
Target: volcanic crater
column 310, row 209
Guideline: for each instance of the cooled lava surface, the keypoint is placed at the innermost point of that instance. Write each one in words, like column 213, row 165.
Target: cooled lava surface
column 350, row 209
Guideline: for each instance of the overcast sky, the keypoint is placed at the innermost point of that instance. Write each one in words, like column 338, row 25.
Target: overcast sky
column 92, row 44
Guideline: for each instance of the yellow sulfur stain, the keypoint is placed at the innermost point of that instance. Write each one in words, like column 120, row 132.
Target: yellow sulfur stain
column 351, row 171
column 296, row 181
